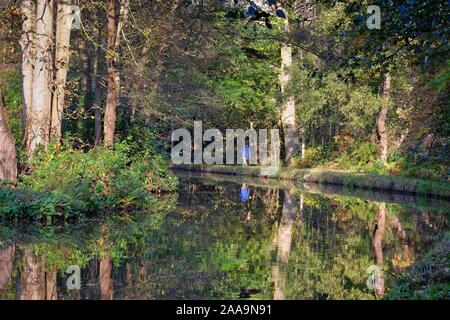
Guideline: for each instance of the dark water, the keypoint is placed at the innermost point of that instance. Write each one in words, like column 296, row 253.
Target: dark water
column 218, row 239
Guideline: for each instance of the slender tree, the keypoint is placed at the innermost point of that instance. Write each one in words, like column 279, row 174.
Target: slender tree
column 116, row 23
column 28, row 56
column 39, row 115
column 382, row 120
column 111, row 61
column 62, row 54
column 291, row 142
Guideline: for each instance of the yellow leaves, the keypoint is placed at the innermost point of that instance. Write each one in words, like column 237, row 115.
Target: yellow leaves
column 404, row 113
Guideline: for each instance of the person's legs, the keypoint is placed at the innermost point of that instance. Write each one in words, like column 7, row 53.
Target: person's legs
column 244, row 160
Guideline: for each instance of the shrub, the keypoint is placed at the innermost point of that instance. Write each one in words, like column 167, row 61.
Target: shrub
column 68, row 182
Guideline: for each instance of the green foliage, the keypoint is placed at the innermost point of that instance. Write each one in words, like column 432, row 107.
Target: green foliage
column 247, row 85
column 428, row 279
column 314, row 157
column 346, row 154
column 10, row 86
column 362, row 156
column 69, row 182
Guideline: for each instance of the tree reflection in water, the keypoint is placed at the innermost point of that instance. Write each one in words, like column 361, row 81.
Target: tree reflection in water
column 204, row 242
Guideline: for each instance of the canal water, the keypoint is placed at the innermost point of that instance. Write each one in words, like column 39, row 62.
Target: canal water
column 227, row 238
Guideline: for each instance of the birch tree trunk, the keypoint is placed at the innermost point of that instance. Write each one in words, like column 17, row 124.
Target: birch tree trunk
column 291, row 142
column 39, row 117
column 28, row 8
column 62, row 54
column 382, row 119
column 8, row 156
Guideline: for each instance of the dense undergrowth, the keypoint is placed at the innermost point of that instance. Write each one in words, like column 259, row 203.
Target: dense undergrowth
column 363, row 157
column 69, row 182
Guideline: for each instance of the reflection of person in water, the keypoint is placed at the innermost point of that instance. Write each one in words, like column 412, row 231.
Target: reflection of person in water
column 245, row 197
column 245, row 193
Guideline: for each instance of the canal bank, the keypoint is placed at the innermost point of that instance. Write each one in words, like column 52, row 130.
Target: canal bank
column 354, row 180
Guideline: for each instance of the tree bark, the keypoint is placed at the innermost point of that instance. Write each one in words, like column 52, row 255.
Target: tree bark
column 378, row 247
column 382, row 120
column 6, row 267
column 283, row 243
column 112, row 95
column 39, row 117
column 97, row 102
column 51, row 289
column 28, row 8
column 62, row 54
column 8, row 156
column 291, row 143
column 97, row 70
column 105, row 277
column 303, row 139
column 85, row 70
column 32, row 276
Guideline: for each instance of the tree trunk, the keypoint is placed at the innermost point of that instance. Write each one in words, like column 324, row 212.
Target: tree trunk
column 97, row 102
column 291, row 143
column 97, row 73
column 39, row 117
column 85, row 68
column 378, row 246
column 62, row 54
column 6, row 268
column 51, row 288
column 382, row 119
column 8, row 157
column 303, row 138
column 32, row 276
column 28, row 8
column 112, row 95
column 283, row 243
column 105, row 277
column 284, row 238
column 137, row 82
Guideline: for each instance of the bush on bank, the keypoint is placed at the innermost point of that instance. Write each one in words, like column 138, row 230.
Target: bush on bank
column 363, row 157
column 69, row 182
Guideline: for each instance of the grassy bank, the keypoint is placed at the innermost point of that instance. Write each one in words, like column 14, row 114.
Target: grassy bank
column 427, row 279
column 364, row 181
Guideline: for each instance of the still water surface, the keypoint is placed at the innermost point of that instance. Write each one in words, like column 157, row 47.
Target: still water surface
column 222, row 239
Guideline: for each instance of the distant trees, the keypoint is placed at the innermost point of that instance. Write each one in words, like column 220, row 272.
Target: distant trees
column 312, row 68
